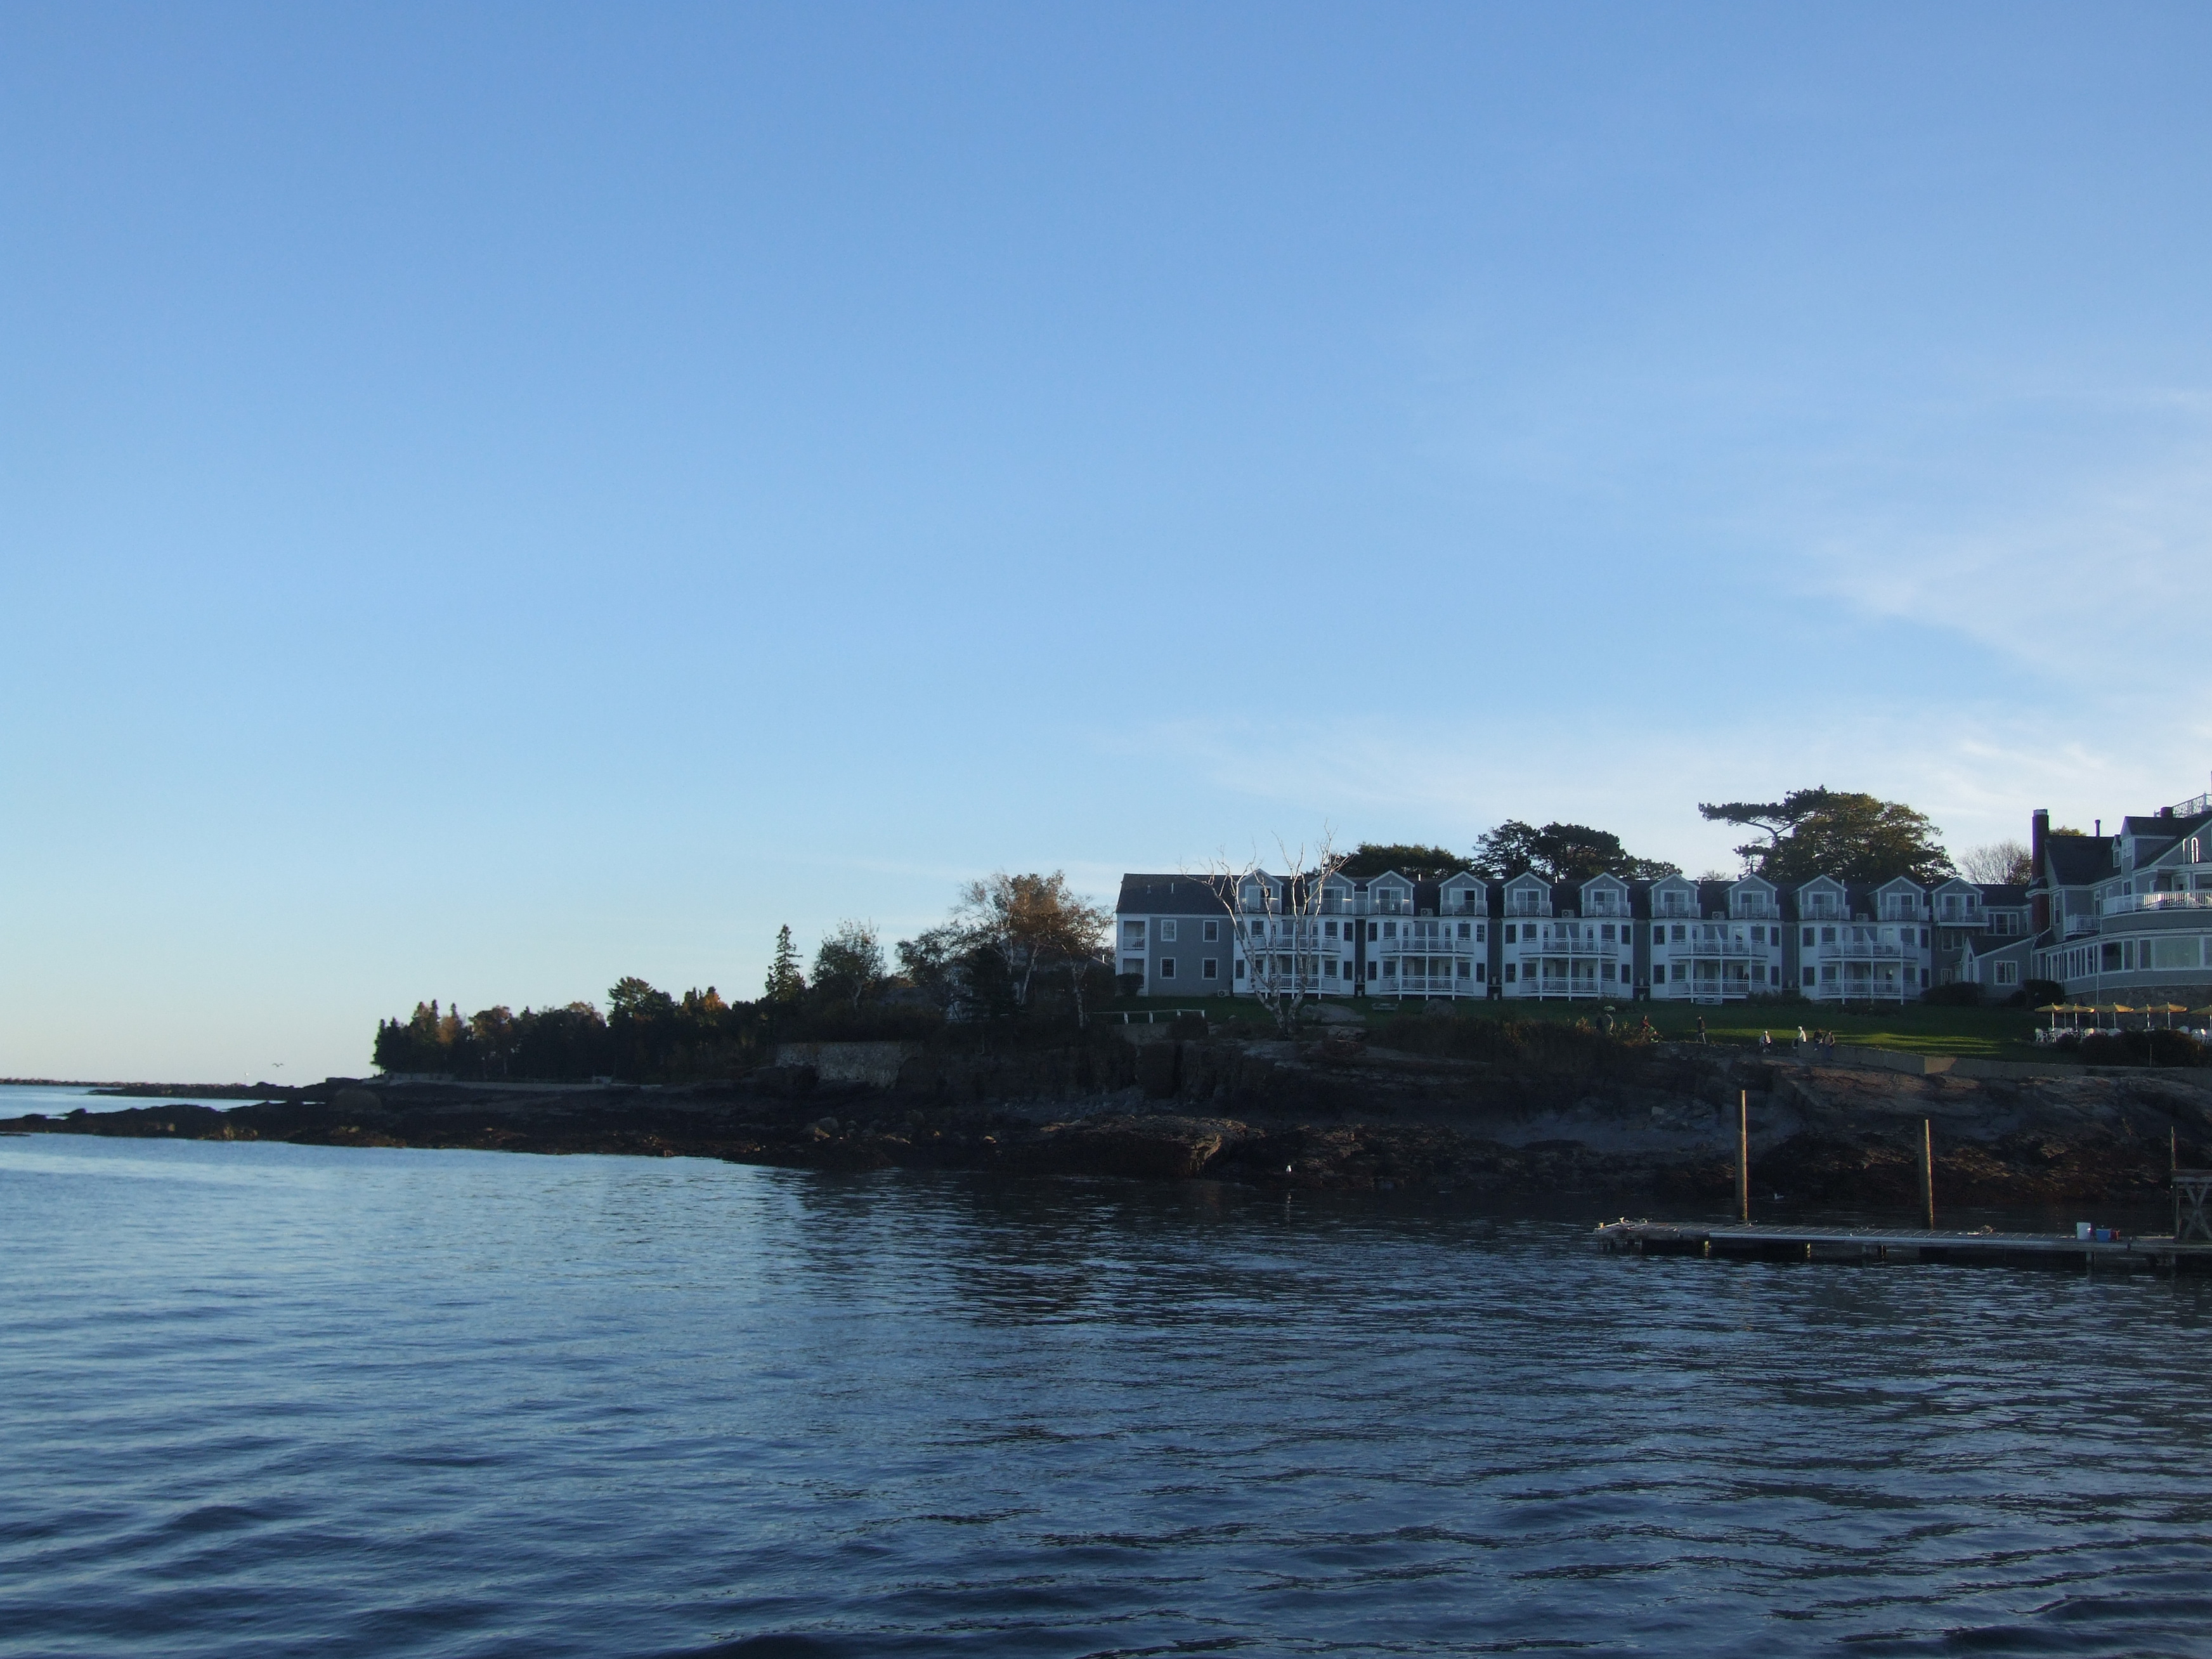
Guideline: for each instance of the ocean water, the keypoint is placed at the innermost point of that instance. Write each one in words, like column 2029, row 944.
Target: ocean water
column 261, row 1400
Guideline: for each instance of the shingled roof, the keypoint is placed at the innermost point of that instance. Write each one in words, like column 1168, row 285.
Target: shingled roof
column 2077, row 860
column 1168, row 896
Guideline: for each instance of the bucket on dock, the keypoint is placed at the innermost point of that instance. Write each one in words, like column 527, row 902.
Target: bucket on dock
column 2083, row 1230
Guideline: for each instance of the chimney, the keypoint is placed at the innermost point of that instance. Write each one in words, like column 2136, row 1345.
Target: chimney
column 2038, row 838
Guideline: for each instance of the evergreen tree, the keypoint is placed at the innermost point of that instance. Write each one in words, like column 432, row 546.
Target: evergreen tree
column 1853, row 836
column 785, row 981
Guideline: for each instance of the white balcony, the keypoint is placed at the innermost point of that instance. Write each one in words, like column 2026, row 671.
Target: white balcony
column 2127, row 903
column 1435, row 985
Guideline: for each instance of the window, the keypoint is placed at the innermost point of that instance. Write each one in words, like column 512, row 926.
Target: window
column 1511, row 972
column 1390, row 969
column 1167, row 933
column 1827, row 936
column 1678, row 932
column 1482, row 929
column 1464, row 969
column 1372, row 969
column 2172, row 952
column 1774, row 976
column 1212, row 932
column 1328, row 930
column 1240, row 967
column 1133, row 965
column 1465, row 929
column 2111, row 958
column 1924, row 939
column 1209, row 969
column 1133, row 933
column 1478, row 968
column 1167, row 967
column 2008, row 973
column 1808, row 977
column 1828, row 972
column 1512, row 932
column 1371, row 930
column 1659, row 973
column 1389, row 930
column 1328, row 969
column 1758, row 936
column 1605, row 933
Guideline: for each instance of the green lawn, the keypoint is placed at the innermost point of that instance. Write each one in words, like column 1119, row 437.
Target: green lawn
column 1986, row 1033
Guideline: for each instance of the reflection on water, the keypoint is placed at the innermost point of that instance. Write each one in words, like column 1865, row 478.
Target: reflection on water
column 262, row 1398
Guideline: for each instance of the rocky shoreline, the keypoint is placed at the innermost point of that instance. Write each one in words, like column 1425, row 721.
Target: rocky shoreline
column 1653, row 1121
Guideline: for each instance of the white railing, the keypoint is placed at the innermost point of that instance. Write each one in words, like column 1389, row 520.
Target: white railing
column 1274, row 982
column 2078, row 922
column 1431, row 985
column 1550, row 987
column 2126, row 903
column 1862, row 951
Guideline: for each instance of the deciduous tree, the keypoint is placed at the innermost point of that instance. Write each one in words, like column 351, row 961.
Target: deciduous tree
column 1033, row 921
column 2001, row 862
column 848, row 966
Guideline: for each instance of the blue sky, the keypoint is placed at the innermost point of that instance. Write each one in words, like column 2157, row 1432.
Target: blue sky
column 494, row 499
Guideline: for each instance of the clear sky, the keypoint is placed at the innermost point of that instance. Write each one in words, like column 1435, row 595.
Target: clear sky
column 493, row 499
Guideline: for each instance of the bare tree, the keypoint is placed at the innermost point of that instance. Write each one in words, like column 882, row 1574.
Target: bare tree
column 2002, row 862
column 1276, row 920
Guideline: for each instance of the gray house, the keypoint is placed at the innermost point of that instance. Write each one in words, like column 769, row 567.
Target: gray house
column 2126, row 917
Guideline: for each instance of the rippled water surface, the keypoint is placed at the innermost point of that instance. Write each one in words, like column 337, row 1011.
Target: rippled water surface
column 264, row 1398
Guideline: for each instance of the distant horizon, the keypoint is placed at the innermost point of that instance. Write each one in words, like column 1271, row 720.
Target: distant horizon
column 489, row 494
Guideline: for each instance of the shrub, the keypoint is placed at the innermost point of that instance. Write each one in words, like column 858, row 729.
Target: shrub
column 1545, row 1044
column 1961, row 993
column 2136, row 1048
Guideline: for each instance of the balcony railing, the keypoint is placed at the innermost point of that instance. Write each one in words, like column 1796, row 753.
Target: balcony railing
column 1555, row 985
column 2078, row 922
column 1437, row 985
column 2124, row 903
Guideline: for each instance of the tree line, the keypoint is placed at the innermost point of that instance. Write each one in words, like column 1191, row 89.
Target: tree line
column 1856, row 837
column 1017, row 951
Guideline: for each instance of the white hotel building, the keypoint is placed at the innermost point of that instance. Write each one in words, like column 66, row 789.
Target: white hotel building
column 1597, row 940
column 2125, row 917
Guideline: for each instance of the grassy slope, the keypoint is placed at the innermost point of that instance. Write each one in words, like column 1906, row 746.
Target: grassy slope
column 1988, row 1033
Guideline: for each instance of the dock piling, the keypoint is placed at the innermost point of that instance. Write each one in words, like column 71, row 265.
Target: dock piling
column 1927, row 1171
column 1743, row 1154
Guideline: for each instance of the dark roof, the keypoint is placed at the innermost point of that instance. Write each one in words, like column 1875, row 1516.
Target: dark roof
column 2002, row 895
column 2174, row 831
column 2077, row 860
column 1168, row 896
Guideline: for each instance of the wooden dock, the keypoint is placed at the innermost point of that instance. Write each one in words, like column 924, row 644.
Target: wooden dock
column 1745, row 1241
